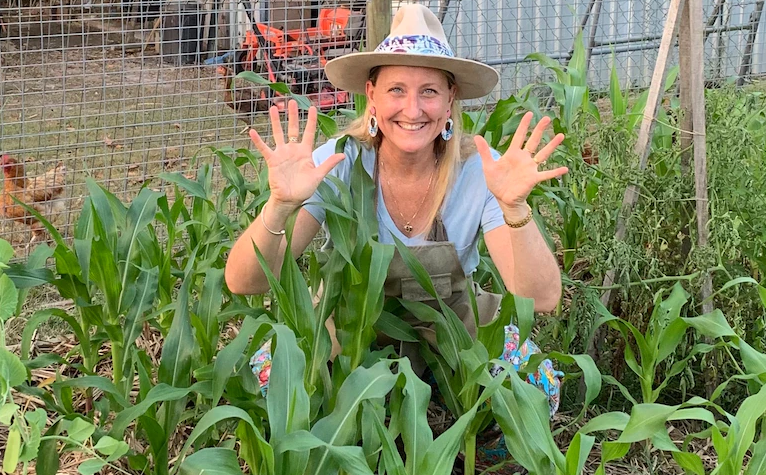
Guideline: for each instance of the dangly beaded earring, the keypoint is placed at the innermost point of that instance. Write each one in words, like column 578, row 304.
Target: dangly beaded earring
column 372, row 126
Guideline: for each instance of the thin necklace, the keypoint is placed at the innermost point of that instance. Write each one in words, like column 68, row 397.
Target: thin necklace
column 407, row 223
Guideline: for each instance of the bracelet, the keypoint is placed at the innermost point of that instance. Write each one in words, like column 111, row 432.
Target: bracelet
column 263, row 221
column 523, row 222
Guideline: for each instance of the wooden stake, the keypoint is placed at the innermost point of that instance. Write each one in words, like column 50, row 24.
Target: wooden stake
column 642, row 149
column 687, row 125
column 592, row 34
column 697, row 105
column 154, row 35
column 747, row 56
column 643, row 144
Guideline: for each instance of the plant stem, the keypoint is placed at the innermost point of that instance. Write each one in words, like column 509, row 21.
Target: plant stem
column 669, row 278
column 118, row 354
column 470, row 453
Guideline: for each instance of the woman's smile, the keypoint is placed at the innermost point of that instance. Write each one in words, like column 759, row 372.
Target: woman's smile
column 410, row 126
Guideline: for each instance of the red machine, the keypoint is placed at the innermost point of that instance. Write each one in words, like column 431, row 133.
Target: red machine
column 297, row 57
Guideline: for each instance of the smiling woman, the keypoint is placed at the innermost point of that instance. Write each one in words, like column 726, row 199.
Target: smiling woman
column 437, row 191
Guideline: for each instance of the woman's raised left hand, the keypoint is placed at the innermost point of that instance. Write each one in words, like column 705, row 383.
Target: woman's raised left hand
column 512, row 177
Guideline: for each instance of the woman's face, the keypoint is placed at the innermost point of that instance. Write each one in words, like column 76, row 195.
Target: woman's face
column 412, row 105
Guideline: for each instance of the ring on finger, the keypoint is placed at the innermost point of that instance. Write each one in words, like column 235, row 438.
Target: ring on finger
column 537, row 160
column 292, row 139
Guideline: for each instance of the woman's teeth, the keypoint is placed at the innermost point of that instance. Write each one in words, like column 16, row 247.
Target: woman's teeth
column 411, row 126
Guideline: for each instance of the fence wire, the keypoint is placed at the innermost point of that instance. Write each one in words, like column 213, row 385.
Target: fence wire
column 122, row 91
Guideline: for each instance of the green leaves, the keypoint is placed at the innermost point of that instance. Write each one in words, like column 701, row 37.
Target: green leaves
column 211, row 461
column 646, row 420
column 288, row 408
column 713, row 325
column 12, row 372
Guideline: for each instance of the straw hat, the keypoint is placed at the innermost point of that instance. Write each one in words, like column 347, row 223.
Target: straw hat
column 417, row 39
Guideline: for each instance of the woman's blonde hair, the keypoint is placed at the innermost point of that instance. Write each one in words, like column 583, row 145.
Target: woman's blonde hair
column 449, row 154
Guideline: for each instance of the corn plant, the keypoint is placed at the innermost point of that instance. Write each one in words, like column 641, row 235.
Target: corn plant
column 664, row 332
column 461, row 368
column 647, row 421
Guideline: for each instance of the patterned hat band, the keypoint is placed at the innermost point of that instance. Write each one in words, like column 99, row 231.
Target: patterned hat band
column 415, row 44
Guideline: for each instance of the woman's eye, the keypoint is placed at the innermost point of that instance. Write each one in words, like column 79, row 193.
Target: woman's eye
column 430, row 91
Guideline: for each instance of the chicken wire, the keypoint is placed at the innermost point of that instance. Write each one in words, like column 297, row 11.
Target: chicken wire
column 124, row 91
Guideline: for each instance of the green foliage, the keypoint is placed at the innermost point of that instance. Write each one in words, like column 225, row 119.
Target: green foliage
column 156, row 265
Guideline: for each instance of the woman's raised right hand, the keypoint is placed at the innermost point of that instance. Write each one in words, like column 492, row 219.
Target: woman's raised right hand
column 293, row 177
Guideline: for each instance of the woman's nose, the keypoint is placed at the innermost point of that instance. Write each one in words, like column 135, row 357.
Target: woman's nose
column 412, row 107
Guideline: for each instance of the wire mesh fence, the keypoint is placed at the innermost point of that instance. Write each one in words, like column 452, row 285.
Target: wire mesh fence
column 122, row 91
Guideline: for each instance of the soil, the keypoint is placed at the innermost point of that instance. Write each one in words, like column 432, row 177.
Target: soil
column 115, row 111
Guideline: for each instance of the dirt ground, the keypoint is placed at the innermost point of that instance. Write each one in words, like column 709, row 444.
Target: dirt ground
column 72, row 93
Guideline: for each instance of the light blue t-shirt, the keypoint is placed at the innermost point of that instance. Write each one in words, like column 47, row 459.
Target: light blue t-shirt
column 469, row 206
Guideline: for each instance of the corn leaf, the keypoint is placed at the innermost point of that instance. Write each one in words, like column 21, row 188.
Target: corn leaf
column 231, row 354
column 288, row 401
column 691, row 463
column 144, row 295
column 757, row 463
column 616, row 98
column 394, row 327
column 577, row 452
column 208, row 308
column 646, row 420
column 209, row 420
column 390, row 459
column 439, row 459
column 413, row 421
column 211, row 461
column 713, row 324
column 179, row 346
column 340, row 426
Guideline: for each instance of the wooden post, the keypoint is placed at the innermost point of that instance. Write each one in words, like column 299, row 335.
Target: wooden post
column 696, row 104
column 643, row 144
column 747, row 56
column 687, row 126
column 691, row 43
column 592, row 34
column 378, row 22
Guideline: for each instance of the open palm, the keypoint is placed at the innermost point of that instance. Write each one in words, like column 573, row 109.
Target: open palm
column 293, row 176
column 512, row 177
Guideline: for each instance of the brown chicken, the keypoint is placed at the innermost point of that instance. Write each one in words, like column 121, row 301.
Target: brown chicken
column 245, row 98
column 42, row 193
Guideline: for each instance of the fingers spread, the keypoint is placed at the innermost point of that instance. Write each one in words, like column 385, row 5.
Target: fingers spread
column 521, row 132
column 311, row 127
column 330, row 163
column 276, row 126
column 537, row 135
